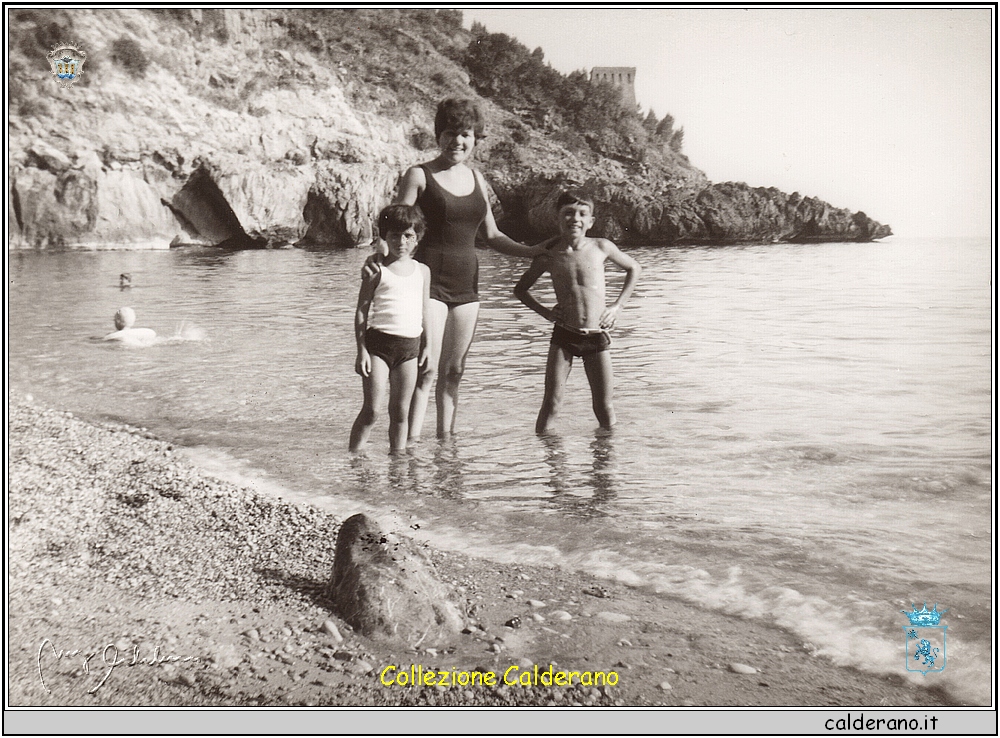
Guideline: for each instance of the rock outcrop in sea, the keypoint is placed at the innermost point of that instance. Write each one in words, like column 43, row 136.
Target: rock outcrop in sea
column 236, row 128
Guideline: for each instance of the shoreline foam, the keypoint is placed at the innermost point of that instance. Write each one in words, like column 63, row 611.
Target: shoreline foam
column 114, row 541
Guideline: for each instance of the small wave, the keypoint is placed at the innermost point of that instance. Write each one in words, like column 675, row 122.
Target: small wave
column 831, row 630
column 848, row 634
column 188, row 332
column 145, row 338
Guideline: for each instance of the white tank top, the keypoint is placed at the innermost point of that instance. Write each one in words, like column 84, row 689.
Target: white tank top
column 398, row 305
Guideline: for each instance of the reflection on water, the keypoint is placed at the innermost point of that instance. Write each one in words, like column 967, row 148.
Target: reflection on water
column 444, row 476
column 810, row 413
column 581, row 492
column 431, row 468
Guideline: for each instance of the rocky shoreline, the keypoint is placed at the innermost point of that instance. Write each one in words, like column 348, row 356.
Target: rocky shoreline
column 135, row 579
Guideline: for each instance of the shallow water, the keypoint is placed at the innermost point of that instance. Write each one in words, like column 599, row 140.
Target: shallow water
column 804, row 431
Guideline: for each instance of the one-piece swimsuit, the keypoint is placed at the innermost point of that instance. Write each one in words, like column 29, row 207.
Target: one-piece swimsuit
column 448, row 247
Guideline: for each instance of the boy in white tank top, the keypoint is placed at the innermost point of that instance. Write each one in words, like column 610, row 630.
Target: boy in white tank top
column 388, row 325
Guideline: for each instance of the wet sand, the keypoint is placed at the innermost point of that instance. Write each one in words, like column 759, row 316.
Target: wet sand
column 136, row 579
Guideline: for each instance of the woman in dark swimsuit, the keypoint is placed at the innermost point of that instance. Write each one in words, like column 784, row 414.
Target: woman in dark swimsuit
column 453, row 199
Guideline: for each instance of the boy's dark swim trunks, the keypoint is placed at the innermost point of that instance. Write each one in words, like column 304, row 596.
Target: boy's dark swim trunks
column 579, row 344
column 393, row 350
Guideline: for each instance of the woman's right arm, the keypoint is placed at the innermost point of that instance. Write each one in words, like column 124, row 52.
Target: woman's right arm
column 497, row 239
column 411, row 184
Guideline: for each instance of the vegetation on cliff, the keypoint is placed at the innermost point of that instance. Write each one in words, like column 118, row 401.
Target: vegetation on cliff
column 570, row 108
column 270, row 127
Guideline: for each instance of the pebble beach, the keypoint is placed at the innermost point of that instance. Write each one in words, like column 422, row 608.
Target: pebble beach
column 136, row 579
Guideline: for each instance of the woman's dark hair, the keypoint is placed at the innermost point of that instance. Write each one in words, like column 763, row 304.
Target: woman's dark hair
column 400, row 217
column 459, row 114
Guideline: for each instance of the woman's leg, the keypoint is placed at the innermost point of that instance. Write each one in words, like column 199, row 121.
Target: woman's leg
column 460, row 328
column 374, row 388
column 436, row 318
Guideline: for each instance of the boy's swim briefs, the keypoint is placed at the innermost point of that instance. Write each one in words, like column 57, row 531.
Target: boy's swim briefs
column 579, row 344
column 393, row 350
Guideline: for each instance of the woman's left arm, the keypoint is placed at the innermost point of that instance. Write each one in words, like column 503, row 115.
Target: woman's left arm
column 497, row 239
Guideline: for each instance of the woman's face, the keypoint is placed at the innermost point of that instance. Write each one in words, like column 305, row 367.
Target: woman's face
column 457, row 146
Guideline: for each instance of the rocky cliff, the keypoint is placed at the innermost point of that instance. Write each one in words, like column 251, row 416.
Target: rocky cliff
column 269, row 128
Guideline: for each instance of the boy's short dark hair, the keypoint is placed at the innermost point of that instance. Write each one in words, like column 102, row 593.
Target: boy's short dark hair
column 574, row 197
column 459, row 114
column 400, row 217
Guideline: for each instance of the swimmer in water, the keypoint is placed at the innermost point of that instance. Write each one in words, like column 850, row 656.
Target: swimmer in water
column 124, row 320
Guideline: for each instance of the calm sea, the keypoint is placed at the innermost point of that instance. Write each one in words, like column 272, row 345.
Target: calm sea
column 804, row 431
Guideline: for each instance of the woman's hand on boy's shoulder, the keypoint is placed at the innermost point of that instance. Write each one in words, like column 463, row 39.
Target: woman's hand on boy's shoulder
column 371, row 265
column 545, row 245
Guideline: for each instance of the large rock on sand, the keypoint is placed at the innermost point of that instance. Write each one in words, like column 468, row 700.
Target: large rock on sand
column 384, row 587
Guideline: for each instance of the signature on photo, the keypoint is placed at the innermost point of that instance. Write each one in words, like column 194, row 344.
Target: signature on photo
column 110, row 659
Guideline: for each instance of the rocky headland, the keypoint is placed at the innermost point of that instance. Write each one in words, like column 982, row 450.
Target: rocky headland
column 273, row 128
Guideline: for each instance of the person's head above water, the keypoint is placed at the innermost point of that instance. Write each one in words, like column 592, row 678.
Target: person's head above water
column 124, row 318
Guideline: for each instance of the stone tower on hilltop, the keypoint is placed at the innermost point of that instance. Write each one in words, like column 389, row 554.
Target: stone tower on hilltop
column 621, row 77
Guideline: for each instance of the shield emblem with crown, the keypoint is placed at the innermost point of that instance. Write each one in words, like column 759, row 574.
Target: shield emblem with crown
column 66, row 61
column 925, row 640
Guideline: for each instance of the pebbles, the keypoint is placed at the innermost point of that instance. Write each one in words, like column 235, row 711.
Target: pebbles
column 136, row 515
column 330, row 628
column 613, row 617
column 361, row 668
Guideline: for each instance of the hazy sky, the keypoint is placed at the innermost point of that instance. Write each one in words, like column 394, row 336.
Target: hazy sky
column 882, row 110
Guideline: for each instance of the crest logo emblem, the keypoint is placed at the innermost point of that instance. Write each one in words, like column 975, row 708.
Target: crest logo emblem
column 925, row 640
column 66, row 61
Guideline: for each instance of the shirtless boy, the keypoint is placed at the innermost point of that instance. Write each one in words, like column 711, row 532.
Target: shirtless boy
column 576, row 265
